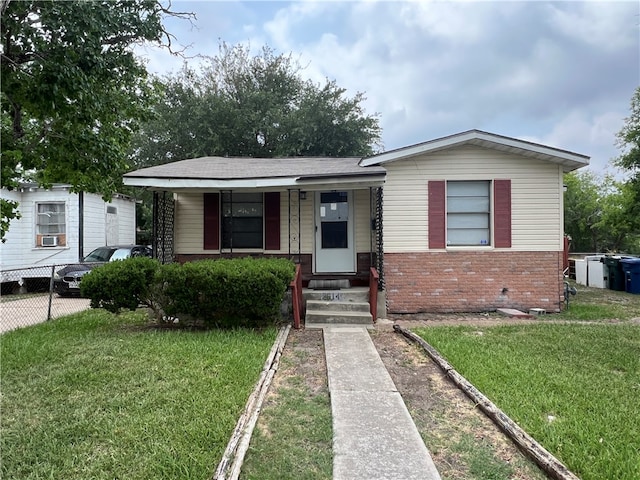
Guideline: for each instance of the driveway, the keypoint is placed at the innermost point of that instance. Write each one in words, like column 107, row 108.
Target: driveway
column 27, row 310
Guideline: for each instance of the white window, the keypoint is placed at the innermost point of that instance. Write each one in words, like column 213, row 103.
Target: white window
column 51, row 226
column 468, row 213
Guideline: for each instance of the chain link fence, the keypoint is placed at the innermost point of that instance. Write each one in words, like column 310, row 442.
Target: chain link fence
column 27, row 297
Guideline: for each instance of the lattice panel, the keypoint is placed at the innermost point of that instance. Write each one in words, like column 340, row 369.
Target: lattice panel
column 378, row 235
column 163, row 213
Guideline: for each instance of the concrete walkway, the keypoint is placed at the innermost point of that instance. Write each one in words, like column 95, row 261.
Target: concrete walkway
column 17, row 312
column 374, row 436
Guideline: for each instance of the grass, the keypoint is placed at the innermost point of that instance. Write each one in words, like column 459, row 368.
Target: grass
column 294, row 435
column 574, row 387
column 99, row 396
column 481, row 461
column 597, row 304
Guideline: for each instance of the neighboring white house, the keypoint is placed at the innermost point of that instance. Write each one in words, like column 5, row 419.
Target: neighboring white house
column 48, row 230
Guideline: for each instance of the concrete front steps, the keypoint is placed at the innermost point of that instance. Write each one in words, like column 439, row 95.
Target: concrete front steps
column 348, row 306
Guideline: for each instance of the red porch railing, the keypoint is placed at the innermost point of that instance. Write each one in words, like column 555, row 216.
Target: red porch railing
column 296, row 297
column 374, row 278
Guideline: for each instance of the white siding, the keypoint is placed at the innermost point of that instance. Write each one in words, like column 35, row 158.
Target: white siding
column 536, row 189
column 94, row 223
column 126, row 219
column 20, row 250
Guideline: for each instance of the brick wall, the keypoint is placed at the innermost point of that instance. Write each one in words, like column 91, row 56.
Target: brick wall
column 473, row 281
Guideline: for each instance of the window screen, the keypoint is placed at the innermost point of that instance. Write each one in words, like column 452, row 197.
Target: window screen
column 242, row 220
column 51, row 219
column 468, row 213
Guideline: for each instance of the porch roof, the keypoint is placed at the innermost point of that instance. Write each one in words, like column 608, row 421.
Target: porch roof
column 569, row 160
column 249, row 172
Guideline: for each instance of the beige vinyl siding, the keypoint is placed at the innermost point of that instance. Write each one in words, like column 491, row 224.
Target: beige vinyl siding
column 307, row 228
column 536, row 189
column 188, row 229
column 363, row 220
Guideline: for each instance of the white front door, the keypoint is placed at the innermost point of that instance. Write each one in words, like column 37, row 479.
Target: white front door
column 335, row 239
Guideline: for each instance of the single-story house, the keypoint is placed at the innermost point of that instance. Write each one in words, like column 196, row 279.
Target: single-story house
column 468, row 222
column 57, row 226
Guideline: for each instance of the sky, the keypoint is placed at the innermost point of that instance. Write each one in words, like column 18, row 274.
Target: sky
column 557, row 73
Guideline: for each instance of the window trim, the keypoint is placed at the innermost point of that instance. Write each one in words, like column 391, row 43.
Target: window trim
column 501, row 225
column 233, row 219
column 60, row 236
column 488, row 214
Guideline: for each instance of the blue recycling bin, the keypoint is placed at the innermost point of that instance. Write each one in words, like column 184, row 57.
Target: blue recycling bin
column 631, row 269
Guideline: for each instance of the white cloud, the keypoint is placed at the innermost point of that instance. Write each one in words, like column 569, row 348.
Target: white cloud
column 604, row 25
column 561, row 73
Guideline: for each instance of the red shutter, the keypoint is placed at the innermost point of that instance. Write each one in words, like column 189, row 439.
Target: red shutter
column 211, row 221
column 272, row 221
column 437, row 212
column 502, row 213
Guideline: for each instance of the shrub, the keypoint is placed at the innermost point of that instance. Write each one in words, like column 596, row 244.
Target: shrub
column 122, row 284
column 225, row 292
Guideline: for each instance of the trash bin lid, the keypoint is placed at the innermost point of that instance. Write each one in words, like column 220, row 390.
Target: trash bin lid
column 631, row 265
column 630, row 260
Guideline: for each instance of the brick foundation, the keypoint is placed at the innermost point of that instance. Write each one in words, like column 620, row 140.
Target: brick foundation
column 473, row 281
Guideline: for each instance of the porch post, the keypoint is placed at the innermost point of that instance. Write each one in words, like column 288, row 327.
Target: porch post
column 294, row 236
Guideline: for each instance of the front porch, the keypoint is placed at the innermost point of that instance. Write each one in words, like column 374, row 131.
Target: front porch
column 336, row 301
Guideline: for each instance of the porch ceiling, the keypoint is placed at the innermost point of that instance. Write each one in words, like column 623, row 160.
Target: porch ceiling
column 264, row 173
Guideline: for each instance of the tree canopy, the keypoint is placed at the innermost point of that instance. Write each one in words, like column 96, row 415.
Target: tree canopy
column 597, row 214
column 629, row 138
column 257, row 106
column 72, row 90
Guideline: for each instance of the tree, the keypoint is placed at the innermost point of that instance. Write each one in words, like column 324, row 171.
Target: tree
column 258, row 106
column 72, row 90
column 582, row 210
column 629, row 138
column 629, row 143
column 596, row 214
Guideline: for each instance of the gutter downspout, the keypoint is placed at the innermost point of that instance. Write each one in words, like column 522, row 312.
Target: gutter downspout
column 80, row 226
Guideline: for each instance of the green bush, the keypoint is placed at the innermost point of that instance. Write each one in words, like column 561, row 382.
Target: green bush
column 225, row 292
column 122, row 284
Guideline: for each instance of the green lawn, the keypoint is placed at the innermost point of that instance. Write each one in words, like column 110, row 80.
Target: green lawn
column 293, row 439
column 575, row 388
column 597, row 304
column 99, row 396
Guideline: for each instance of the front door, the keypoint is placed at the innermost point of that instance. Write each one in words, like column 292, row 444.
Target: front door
column 334, row 240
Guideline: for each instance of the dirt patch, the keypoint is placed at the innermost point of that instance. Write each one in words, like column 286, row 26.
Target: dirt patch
column 463, row 442
column 303, row 357
column 471, row 319
column 456, row 433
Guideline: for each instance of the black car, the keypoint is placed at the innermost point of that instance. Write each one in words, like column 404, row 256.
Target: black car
column 67, row 280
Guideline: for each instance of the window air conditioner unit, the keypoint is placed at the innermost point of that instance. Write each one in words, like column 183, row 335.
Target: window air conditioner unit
column 49, row 241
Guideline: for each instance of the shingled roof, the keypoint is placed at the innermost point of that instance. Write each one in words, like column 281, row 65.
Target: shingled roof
column 221, row 172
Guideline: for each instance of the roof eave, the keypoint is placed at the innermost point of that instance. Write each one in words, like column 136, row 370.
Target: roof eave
column 569, row 160
column 161, row 183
